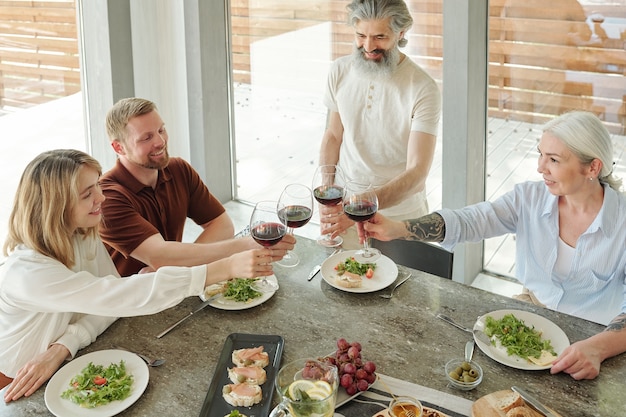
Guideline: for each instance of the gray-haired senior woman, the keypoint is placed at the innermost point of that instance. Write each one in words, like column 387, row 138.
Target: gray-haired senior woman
column 570, row 235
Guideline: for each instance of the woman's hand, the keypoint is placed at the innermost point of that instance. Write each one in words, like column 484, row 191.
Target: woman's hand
column 37, row 371
column 580, row 360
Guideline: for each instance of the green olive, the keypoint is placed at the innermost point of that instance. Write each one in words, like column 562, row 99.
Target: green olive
column 468, row 378
column 473, row 373
column 458, row 370
column 466, row 366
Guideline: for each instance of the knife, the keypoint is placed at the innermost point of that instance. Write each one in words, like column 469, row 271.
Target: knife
column 314, row 272
column 318, row 267
column 533, row 402
column 197, row 309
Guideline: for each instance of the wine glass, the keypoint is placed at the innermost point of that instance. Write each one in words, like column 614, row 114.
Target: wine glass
column 267, row 228
column 328, row 182
column 360, row 203
column 297, row 202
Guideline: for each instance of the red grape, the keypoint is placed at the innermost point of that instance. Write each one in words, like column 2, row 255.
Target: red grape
column 370, row 367
column 355, row 374
column 362, row 385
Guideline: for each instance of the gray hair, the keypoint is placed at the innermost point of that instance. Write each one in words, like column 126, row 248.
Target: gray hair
column 586, row 137
column 400, row 21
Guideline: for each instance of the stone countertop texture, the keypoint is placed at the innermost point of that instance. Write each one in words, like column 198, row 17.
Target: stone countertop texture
column 401, row 335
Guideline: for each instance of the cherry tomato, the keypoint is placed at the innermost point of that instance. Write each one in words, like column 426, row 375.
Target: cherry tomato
column 369, row 273
column 98, row 380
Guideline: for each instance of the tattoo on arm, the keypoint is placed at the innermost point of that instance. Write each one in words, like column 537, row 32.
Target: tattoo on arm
column 617, row 324
column 428, row 228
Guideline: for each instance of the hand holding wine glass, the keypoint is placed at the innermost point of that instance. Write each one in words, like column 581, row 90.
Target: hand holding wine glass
column 360, row 203
column 297, row 207
column 328, row 183
column 267, row 228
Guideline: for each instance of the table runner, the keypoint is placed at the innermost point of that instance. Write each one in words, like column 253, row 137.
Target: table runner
column 377, row 398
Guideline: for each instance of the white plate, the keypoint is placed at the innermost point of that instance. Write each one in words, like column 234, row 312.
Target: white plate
column 225, row 304
column 61, row 379
column 385, row 273
column 548, row 330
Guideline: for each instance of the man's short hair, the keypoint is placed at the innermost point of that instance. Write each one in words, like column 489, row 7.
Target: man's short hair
column 400, row 17
column 118, row 116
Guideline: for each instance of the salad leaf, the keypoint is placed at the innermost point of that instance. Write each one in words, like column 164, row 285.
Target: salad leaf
column 241, row 289
column 518, row 338
column 97, row 385
column 353, row 266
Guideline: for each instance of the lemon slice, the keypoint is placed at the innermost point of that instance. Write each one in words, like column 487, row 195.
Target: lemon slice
column 297, row 387
column 321, row 391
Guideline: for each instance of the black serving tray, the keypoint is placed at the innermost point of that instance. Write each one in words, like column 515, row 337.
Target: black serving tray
column 214, row 404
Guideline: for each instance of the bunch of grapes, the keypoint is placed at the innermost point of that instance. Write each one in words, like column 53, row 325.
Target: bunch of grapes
column 355, row 374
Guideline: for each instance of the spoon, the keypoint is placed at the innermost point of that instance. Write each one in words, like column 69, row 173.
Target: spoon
column 469, row 350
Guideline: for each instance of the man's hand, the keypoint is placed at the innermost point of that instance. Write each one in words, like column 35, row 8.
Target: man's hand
column 333, row 221
column 37, row 371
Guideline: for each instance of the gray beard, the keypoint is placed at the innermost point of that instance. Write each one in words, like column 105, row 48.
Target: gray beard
column 385, row 67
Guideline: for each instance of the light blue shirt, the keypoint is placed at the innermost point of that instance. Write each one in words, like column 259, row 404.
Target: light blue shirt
column 594, row 289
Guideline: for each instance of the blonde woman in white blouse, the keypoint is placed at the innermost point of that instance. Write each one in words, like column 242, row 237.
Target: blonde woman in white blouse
column 59, row 288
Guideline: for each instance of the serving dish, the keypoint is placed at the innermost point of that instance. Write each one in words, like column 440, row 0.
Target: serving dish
column 61, row 379
column 214, row 404
column 548, row 330
column 385, row 273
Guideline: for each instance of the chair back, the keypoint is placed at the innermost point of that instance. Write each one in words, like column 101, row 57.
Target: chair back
column 422, row 256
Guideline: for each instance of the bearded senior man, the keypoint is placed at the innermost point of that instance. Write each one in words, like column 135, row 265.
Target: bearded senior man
column 383, row 119
column 149, row 197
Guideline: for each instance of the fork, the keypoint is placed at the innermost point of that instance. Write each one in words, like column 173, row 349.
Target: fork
column 402, row 281
column 147, row 360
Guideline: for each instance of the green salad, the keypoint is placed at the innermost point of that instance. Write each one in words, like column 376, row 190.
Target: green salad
column 353, row 266
column 241, row 289
column 518, row 338
column 97, row 385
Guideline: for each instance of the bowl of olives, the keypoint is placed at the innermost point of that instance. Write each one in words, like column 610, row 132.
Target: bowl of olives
column 464, row 375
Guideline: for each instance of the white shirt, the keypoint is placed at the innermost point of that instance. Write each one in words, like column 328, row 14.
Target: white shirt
column 378, row 114
column 595, row 285
column 43, row 302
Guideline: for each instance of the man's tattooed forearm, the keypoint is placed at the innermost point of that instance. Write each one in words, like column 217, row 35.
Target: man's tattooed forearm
column 428, row 228
column 617, row 324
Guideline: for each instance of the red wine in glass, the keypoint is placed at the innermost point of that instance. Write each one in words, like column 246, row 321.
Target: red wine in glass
column 360, row 211
column 360, row 203
column 328, row 195
column 296, row 215
column 328, row 187
column 296, row 202
column 268, row 234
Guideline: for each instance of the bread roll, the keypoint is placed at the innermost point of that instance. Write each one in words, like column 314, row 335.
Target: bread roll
column 509, row 402
column 522, row 411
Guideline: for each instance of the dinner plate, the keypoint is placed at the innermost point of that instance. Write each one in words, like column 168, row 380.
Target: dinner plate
column 385, row 273
column 214, row 403
column 61, row 379
column 548, row 330
column 226, row 304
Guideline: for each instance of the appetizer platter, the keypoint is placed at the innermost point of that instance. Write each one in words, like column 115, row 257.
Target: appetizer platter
column 554, row 337
column 220, row 294
column 384, row 273
column 60, row 383
column 248, row 390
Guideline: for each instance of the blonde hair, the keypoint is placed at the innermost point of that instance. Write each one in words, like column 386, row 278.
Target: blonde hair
column 118, row 116
column 44, row 202
column 586, row 137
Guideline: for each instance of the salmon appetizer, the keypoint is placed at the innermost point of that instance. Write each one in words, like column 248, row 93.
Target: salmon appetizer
column 251, row 357
column 247, row 375
column 242, row 395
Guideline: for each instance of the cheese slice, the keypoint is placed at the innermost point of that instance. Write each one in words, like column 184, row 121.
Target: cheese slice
column 546, row 358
